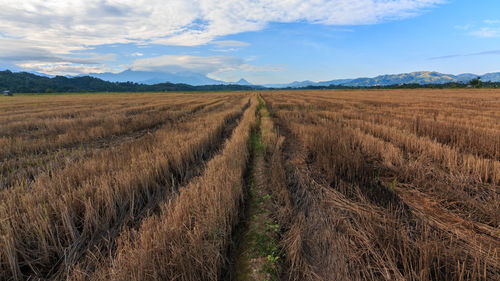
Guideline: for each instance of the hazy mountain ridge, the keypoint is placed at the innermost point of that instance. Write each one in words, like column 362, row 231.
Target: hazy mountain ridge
column 151, row 78
column 419, row 77
column 493, row 77
column 197, row 79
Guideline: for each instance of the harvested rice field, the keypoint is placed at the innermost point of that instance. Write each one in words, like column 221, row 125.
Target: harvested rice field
column 259, row 185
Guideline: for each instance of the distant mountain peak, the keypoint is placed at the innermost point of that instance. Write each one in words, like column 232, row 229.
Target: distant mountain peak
column 242, row 81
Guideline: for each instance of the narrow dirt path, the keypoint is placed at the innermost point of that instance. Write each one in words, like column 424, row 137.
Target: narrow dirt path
column 257, row 252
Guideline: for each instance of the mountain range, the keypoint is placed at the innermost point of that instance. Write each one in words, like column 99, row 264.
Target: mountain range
column 420, row 77
column 151, row 78
column 197, row 79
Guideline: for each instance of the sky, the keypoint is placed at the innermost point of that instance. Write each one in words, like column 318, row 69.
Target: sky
column 263, row 41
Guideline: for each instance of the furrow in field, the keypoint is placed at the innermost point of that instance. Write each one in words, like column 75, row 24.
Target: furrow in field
column 190, row 238
column 98, row 252
column 323, row 240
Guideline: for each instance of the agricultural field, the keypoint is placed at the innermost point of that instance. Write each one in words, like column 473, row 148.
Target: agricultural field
column 271, row 185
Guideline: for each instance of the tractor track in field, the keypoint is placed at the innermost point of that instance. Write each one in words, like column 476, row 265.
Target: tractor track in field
column 255, row 250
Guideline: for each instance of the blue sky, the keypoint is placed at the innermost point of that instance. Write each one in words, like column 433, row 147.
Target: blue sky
column 262, row 41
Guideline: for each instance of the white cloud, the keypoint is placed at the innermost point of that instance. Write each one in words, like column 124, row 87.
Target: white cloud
column 175, row 64
column 65, row 68
column 19, row 51
column 491, row 21
column 489, row 29
column 256, row 68
column 230, row 43
column 28, row 56
column 487, row 32
column 205, row 65
column 69, row 25
column 464, row 27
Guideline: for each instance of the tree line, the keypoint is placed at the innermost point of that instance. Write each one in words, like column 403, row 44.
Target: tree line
column 23, row 82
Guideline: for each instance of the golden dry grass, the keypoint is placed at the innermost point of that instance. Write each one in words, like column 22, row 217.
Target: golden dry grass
column 189, row 239
column 52, row 222
column 391, row 185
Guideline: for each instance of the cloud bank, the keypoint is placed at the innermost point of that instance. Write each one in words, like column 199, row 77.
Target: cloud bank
column 41, row 31
column 172, row 63
column 211, row 65
column 74, row 24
